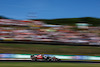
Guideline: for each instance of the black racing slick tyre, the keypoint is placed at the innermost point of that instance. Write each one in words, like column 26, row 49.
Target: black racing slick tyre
column 58, row 60
column 34, row 60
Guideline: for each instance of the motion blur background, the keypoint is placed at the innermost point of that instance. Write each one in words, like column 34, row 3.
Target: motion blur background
column 62, row 27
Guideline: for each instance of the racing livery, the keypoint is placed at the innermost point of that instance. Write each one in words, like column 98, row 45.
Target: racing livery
column 42, row 57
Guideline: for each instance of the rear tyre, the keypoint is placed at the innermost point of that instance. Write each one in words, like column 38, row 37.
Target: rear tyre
column 34, row 60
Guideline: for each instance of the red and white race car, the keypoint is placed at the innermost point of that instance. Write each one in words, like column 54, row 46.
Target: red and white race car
column 41, row 57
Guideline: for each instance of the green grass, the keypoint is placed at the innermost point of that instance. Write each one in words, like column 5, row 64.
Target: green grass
column 38, row 64
column 49, row 49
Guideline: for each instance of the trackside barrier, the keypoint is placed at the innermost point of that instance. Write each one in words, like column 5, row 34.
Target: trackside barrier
column 6, row 39
column 27, row 57
column 12, row 59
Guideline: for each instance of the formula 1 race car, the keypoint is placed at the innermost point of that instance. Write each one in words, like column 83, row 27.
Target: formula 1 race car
column 41, row 57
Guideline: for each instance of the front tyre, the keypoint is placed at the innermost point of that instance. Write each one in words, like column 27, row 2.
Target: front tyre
column 58, row 60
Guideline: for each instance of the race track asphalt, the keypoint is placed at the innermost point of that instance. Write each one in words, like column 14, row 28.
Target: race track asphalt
column 63, row 61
